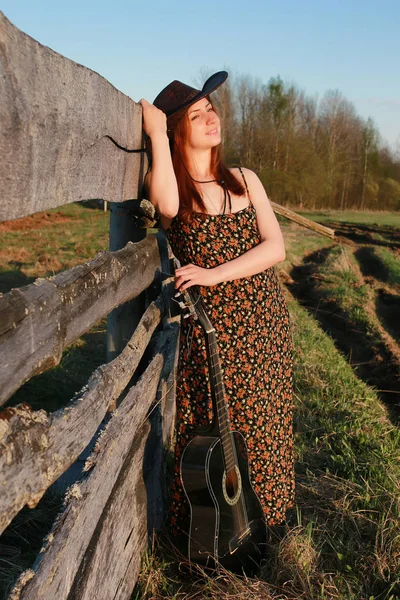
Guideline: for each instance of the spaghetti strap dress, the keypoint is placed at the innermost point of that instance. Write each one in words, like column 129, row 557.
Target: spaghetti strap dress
column 254, row 339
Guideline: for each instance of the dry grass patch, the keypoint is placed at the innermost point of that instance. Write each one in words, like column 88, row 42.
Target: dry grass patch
column 35, row 221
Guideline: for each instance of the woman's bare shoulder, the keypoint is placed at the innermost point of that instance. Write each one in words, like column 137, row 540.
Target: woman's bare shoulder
column 236, row 172
column 248, row 173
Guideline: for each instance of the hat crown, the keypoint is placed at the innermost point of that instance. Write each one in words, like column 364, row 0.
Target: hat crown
column 175, row 96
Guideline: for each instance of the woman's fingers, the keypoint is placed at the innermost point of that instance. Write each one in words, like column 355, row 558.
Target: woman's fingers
column 180, row 280
column 154, row 119
column 193, row 275
column 186, row 267
column 184, row 274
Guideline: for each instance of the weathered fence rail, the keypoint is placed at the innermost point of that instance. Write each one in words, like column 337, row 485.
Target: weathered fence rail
column 96, row 544
column 39, row 321
column 68, row 135
column 40, row 446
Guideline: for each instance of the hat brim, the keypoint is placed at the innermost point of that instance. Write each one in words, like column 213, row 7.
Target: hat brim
column 212, row 83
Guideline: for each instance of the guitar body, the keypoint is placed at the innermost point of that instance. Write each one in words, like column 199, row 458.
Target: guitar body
column 227, row 524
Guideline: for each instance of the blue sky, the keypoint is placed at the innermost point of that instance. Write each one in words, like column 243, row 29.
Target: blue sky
column 350, row 45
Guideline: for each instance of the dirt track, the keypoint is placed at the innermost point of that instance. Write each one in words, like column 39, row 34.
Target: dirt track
column 376, row 358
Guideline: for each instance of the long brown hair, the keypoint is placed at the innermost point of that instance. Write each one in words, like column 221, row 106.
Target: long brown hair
column 189, row 196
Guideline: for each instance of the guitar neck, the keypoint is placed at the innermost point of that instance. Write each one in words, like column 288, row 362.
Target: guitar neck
column 221, row 414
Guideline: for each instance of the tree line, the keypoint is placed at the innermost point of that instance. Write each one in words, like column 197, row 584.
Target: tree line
column 308, row 154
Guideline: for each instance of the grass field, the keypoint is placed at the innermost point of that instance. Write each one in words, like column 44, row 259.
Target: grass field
column 47, row 243
column 342, row 540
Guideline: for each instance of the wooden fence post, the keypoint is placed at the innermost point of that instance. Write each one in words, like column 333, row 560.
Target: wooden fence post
column 122, row 321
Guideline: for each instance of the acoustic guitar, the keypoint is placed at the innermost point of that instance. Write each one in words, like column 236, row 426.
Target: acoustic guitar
column 227, row 525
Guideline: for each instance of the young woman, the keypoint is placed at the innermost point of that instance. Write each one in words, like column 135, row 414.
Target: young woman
column 223, row 230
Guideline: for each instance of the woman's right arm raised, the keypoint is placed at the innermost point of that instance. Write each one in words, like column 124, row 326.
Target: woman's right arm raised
column 161, row 181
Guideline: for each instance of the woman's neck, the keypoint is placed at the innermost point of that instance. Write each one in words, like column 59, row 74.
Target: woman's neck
column 199, row 163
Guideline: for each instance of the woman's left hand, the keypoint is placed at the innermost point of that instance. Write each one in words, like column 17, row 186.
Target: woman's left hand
column 193, row 275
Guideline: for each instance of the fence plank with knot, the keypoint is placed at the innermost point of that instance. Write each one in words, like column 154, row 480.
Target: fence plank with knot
column 36, row 448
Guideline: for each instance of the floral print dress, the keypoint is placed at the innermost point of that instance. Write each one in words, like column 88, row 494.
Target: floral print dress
column 255, row 347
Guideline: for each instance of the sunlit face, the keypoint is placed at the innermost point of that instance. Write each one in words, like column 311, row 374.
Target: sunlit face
column 205, row 126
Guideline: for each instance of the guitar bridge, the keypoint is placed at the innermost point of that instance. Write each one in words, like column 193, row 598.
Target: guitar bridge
column 238, row 540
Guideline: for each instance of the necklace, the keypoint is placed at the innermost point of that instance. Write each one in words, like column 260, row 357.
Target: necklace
column 197, row 181
column 221, row 183
column 218, row 211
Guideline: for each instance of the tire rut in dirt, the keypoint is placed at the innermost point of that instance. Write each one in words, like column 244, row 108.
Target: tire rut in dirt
column 371, row 360
column 370, row 264
column 388, row 312
column 365, row 234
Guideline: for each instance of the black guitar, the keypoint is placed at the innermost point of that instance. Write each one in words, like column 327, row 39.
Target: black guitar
column 227, row 525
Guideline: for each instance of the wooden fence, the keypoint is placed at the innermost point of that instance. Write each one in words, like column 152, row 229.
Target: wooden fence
column 68, row 135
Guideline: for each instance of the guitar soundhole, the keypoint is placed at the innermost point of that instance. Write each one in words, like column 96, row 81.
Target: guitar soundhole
column 232, row 486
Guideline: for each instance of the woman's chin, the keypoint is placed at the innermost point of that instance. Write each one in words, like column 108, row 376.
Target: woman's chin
column 214, row 141
column 207, row 144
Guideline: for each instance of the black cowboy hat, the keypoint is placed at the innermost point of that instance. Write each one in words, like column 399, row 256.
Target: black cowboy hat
column 176, row 97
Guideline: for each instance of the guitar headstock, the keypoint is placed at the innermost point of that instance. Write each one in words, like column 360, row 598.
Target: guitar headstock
column 191, row 302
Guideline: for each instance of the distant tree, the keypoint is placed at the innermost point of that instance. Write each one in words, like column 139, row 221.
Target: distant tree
column 369, row 137
column 389, row 194
column 226, row 104
column 339, row 129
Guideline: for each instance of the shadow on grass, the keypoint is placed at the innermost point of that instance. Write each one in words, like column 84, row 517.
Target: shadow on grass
column 21, row 542
column 55, row 388
column 13, row 278
column 371, row 265
column 388, row 311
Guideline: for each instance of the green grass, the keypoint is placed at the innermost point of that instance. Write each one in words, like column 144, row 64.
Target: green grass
column 340, row 281
column 349, row 468
column 41, row 249
column 300, row 242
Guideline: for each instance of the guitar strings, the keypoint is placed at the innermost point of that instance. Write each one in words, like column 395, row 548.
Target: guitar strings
column 198, row 299
column 176, row 380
